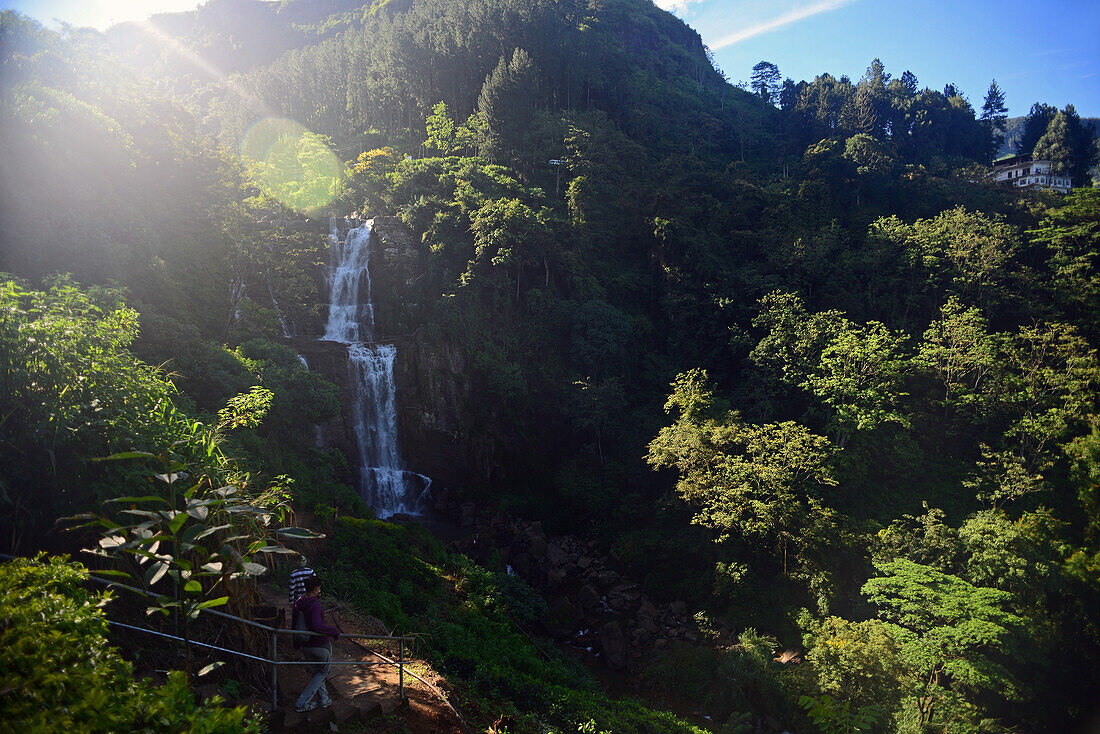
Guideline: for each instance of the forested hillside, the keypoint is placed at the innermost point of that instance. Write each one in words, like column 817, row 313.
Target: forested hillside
column 784, row 356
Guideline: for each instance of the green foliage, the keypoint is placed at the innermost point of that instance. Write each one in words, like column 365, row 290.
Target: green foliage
column 246, row 410
column 60, row 672
column 69, row 391
column 960, row 352
column 964, row 253
column 474, row 620
column 954, row 635
column 857, row 372
column 830, row 717
column 755, row 481
column 300, row 399
column 570, row 295
column 858, row 663
column 1070, row 234
column 197, row 537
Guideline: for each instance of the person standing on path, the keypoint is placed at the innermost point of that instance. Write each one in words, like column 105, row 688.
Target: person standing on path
column 316, row 647
column 298, row 579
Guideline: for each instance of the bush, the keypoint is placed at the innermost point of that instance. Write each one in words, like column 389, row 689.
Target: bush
column 59, row 674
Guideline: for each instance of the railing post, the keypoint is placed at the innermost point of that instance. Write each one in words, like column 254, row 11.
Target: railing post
column 401, row 668
column 274, row 670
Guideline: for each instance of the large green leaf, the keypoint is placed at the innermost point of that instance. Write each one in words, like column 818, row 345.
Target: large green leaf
column 298, row 533
column 144, row 498
column 156, row 572
column 126, row 455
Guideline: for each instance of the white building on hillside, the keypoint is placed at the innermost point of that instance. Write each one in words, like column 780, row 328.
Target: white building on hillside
column 1021, row 171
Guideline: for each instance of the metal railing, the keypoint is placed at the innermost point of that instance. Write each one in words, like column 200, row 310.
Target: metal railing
column 273, row 661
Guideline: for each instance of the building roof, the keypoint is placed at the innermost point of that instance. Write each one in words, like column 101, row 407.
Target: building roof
column 1011, row 160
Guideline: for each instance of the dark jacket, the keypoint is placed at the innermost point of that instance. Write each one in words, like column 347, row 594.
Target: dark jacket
column 310, row 606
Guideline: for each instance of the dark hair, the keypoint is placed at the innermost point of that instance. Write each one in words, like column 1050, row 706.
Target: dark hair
column 312, row 583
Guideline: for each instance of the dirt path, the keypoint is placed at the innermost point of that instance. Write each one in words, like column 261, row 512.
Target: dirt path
column 364, row 690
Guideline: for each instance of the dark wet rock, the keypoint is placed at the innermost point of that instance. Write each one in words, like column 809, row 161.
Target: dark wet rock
column 613, row 645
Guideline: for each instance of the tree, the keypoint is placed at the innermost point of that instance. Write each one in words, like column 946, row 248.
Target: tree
column 70, row 390
column 859, row 663
column 1035, row 125
column 766, row 82
column 855, row 371
column 859, row 376
column 954, row 635
column 788, row 95
column 1070, row 234
column 1084, row 143
column 1042, row 389
column 960, row 353
column 909, row 82
column 965, row 253
column 871, row 157
column 441, row 130
column 758, row 481
column 1057, row 146
column 507, row 104
column 994, row 117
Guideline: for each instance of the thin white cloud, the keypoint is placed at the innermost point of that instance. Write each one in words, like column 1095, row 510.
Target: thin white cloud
column 791, row 16
column 675, row 6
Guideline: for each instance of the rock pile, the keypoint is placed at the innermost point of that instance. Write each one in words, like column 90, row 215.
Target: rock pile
column 591, row 604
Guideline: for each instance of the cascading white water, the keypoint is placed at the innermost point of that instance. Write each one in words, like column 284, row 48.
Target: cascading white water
column 351, row 313
column 383, row 480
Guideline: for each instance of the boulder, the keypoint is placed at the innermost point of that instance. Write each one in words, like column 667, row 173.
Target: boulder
column 607, row 578
column 537, row 547
column 555, row 577
column 613, row 645
column 588, row 597
column 555, row 554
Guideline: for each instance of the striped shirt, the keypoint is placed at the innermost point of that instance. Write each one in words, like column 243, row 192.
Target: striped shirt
column 298, row 582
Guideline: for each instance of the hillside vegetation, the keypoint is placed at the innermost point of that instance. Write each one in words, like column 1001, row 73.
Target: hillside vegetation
column 785, row 354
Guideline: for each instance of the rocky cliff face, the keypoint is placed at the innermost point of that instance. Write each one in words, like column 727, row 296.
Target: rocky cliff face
column 431, row 375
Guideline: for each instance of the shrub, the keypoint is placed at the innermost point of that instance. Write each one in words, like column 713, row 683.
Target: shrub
column 59, row 674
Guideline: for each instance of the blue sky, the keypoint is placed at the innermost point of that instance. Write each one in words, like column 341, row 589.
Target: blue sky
column 1037, row 50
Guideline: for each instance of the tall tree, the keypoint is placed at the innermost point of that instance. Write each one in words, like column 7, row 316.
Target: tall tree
column 909, row 82
column 1038, row 118
column 766, row 82
column 1083, row 141
column 994, row 117
column 1056, row 145
column 759, row 482
column 954, row 636
column 507, row 105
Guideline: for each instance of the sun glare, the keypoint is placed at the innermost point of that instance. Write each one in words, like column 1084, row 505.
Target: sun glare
column 293, row 165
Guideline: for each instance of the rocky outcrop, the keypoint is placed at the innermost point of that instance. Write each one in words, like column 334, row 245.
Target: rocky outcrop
column 591, row 605
column 396, row 267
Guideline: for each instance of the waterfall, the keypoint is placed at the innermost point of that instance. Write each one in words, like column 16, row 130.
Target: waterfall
column 383, row 480
column 351, row 313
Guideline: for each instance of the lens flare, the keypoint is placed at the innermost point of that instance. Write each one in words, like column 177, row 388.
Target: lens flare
column 292, row 164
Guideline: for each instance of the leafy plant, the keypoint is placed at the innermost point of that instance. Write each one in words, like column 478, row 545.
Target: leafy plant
column 197, row 536
column 832, row 717
column 60, row 673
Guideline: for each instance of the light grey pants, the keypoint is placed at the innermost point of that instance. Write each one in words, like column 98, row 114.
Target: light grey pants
column 316, row 685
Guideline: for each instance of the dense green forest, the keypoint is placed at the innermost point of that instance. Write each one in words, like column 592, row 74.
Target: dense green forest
column 784, row 354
